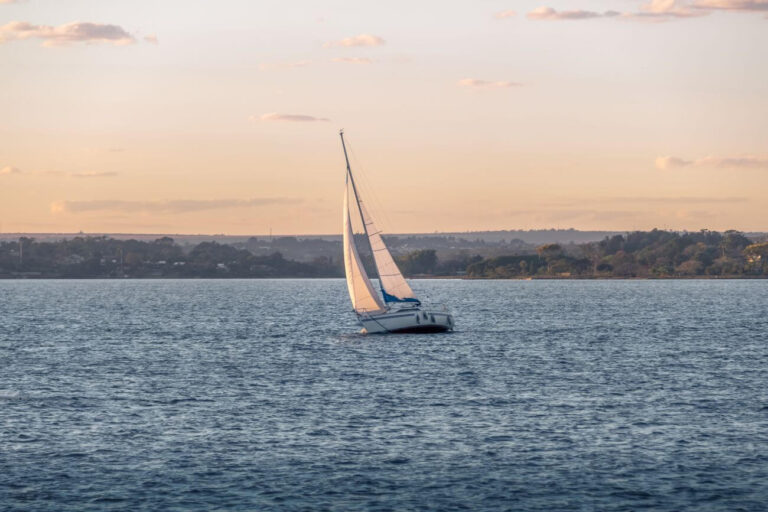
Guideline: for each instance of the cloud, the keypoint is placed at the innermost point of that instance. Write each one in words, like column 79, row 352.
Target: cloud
column 280, row 66
column 359, row 40
column 76, row 32
column 273, row 116
column 93, row 174
column 505, row 14
column 570, row 203
column 744, row 162
column 652, row 11
column 548, row 13
column 752, row 162
column 353, row 60
column 732, row 5
column 678, row 200
column 163, row 207
column 667, row 162
column 485, row 84
column 664, row 10
column 152, row 39
column 9, row 170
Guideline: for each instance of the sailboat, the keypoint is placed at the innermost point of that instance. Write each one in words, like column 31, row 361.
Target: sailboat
column 397, row 309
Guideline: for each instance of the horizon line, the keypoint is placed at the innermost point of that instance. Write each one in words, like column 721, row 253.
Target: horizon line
column 274, row 235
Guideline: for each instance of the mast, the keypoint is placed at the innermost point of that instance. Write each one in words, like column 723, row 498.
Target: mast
column 360, row 210
column 354, row 187
column 365, row 300
column 385, row 265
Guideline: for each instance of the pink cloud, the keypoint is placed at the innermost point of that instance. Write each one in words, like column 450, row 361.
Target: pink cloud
column 76, row 32
column 744, row 162
column 274, row 116
column 359, row 40
column 664, row 10
column 486, row 84
column 732, row 5
column 8, row 169
column 548, row 13
column 652, row 11
column 353, row 60
column 505, row 14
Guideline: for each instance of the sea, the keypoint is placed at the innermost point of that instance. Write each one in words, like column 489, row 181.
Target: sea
column 258, row 395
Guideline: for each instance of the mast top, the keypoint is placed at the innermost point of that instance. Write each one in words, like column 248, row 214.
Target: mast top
column 344, row 146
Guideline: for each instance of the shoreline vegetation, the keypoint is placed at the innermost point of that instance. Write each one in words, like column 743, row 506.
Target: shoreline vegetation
column 655, row 254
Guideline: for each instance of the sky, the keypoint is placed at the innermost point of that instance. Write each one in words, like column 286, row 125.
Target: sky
column 171, row 116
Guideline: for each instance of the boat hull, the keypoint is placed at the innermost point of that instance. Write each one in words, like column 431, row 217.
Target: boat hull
column 407, row 321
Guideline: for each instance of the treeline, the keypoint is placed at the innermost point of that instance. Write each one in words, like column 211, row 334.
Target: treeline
column 102, row 257
column 639, row 254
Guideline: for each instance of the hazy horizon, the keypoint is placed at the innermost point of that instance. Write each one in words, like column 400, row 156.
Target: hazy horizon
column 558, row 232
column 187, row 118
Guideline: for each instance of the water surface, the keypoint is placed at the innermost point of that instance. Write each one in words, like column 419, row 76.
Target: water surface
column 260, row 395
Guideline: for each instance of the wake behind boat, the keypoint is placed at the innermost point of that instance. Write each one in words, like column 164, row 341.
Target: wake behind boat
column 397, row 309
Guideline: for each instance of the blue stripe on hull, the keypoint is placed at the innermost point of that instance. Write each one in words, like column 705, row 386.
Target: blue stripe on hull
column 418, row 329
column 385, row 317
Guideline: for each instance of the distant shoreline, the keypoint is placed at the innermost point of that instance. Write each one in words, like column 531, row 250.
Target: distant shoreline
column 639, row 255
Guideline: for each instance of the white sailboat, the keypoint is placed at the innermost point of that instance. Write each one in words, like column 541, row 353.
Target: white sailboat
column 397, row 309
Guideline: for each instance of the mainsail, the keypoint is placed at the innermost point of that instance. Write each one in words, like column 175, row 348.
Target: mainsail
column 394, row 287
column 364, row 297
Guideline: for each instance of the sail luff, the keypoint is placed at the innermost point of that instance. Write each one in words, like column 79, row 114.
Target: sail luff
column 364, row 297
column 351, row 178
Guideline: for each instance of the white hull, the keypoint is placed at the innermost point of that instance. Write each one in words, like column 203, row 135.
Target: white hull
column 407, row 320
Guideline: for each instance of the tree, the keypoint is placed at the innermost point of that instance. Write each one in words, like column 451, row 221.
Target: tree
column 733, row 243
column 591, row 251
column 624, row 265
column 132, row 259
column 756, row 256
column 419, row 262
column 549, row 252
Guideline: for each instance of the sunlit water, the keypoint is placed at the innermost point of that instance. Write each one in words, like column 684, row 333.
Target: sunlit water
column 260, row 395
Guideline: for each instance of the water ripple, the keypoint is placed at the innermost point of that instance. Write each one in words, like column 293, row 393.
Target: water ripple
column 262, row 395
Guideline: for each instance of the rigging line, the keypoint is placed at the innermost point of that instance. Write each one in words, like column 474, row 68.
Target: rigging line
column 379, row 232
column 372, row 318
column 369, row 191
column 362, row 217
column 379, row 211
column 365, row 224
column 351, row 178
column 376, row 234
